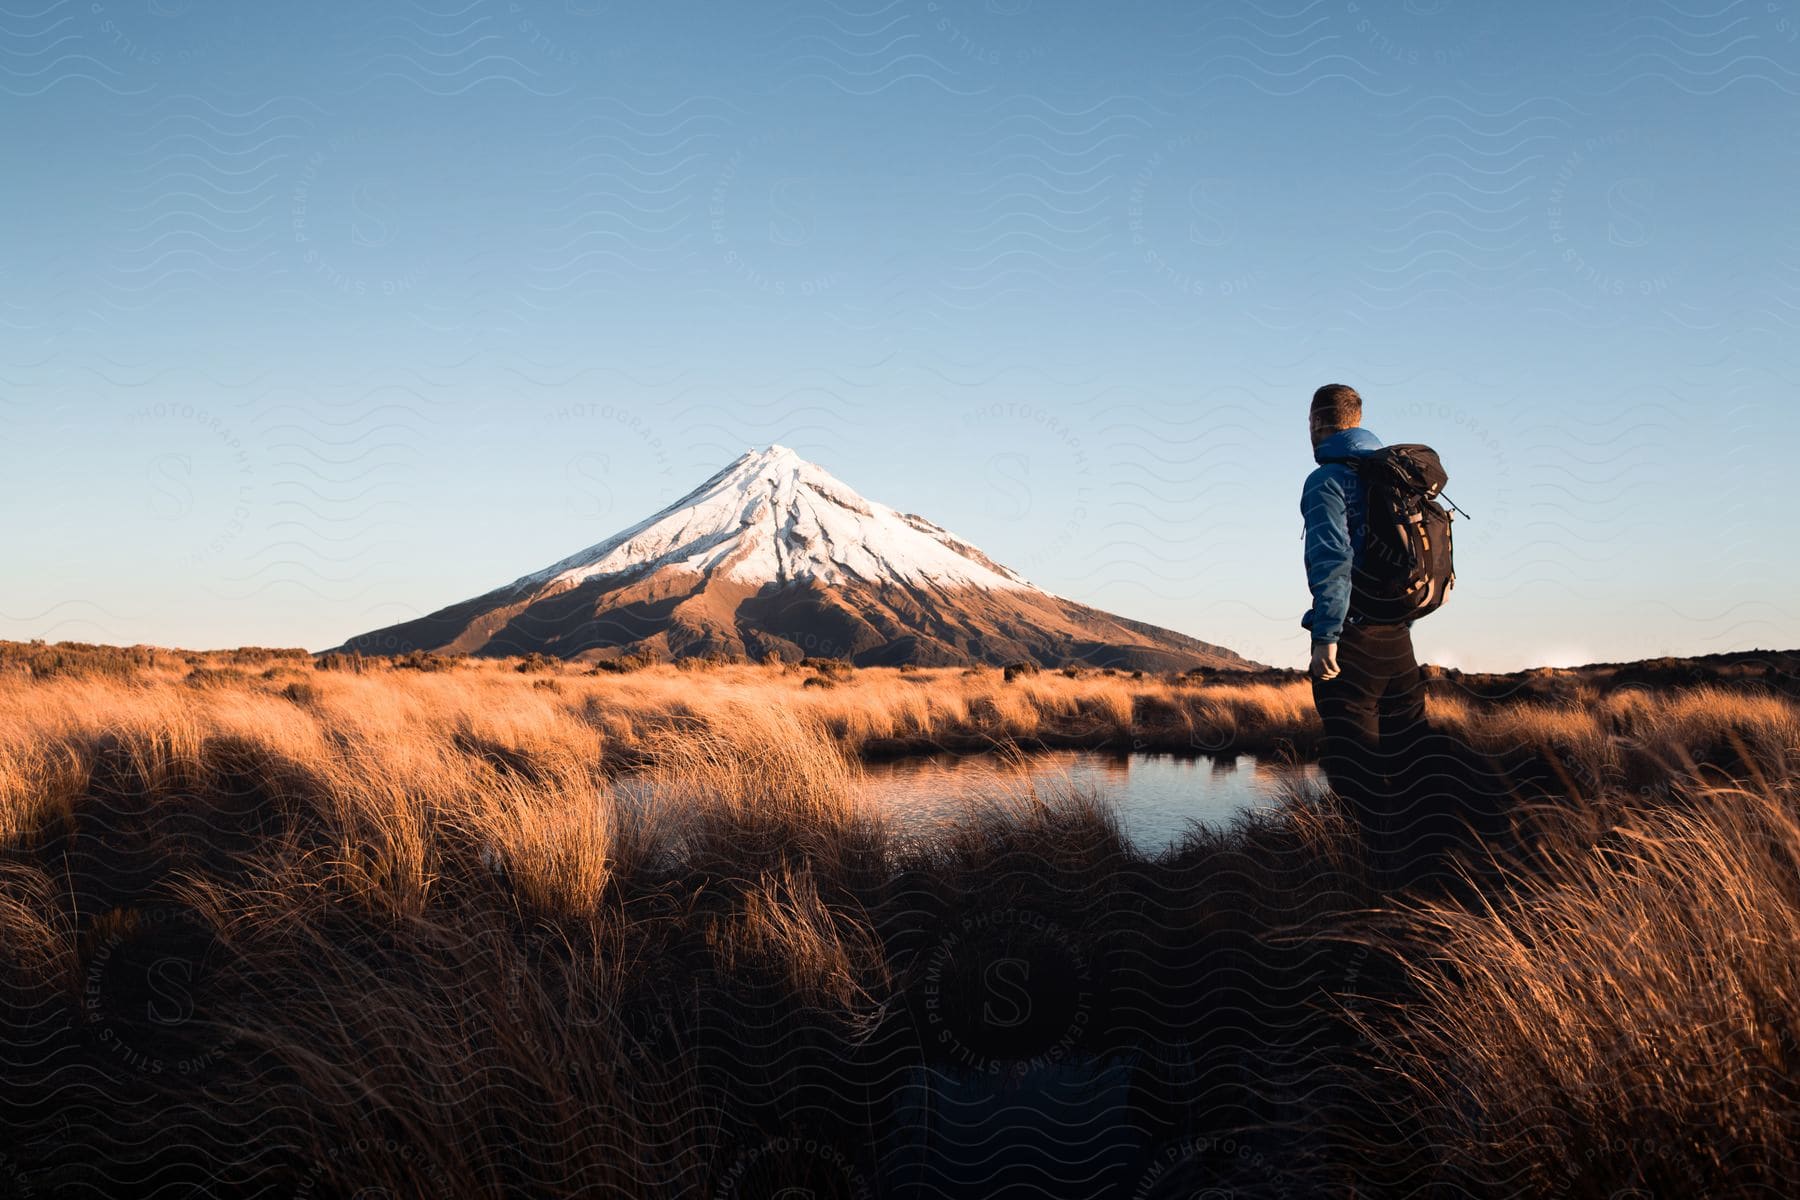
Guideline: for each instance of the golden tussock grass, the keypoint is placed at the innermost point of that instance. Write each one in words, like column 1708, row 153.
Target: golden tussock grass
column 1623, row 1013
column 585, row 938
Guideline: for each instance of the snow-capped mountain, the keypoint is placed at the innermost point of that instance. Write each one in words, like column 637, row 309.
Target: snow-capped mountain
column 775, row 555
column 773, row 517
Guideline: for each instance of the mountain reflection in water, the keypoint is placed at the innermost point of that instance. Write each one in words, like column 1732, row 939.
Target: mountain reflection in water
column 1155, row 795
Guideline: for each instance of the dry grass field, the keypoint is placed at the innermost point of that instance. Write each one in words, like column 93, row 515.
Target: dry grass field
column 277, row 927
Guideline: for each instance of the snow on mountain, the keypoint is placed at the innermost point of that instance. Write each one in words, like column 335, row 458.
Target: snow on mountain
column 773, row 517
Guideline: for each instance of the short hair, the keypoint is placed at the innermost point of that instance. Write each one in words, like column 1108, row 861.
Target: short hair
column 1336, row 405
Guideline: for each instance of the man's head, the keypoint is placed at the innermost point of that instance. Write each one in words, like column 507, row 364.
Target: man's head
column 1335, row 407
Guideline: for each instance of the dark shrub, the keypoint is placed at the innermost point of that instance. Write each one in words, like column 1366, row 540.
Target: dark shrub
column 535, row 662
column 256, row 656
column 1013, row 670
column 215, row 677
column 701, row 662
column 637, row 660
column 44, row 661
column 424, row 660
column 302, row 692
column 333, row 661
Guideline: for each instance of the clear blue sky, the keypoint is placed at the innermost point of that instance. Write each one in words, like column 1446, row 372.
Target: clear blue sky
column 315, row 317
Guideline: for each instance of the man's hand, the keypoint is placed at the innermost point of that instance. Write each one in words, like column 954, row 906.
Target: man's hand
column 1324, row 661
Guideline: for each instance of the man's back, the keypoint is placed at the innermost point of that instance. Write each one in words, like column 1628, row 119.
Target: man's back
column 1333, row 504
column 1366, row 682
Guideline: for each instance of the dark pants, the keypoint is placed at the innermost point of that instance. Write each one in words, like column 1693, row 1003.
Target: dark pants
column 1373, row 713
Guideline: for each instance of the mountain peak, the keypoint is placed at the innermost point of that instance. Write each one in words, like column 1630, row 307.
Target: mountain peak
column 773, row 453
column 772, row 517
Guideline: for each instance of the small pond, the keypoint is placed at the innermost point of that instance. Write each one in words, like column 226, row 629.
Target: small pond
column 1155, row 795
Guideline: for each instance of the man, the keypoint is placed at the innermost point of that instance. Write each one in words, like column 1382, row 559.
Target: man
column 1366, row 683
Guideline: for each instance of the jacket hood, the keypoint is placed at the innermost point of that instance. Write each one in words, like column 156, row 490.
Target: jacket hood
column 1346, row 443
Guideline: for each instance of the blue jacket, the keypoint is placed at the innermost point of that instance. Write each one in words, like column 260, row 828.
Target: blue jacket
column 1332, row 503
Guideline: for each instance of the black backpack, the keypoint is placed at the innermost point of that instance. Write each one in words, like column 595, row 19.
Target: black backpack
column 1407, row 569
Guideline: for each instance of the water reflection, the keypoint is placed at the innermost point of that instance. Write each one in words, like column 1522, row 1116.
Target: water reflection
column 1155, row 795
